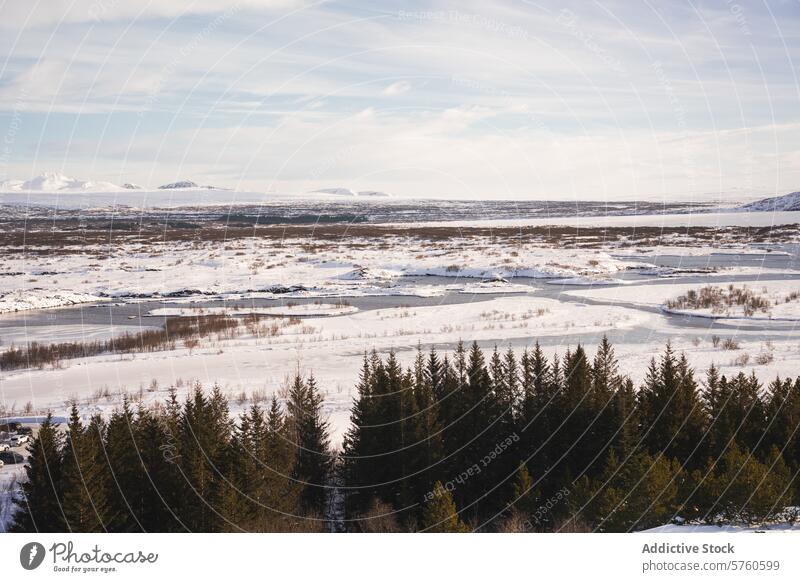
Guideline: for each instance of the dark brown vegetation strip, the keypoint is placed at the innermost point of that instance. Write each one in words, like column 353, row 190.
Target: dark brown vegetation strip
column 72, row 236
column 37, row 355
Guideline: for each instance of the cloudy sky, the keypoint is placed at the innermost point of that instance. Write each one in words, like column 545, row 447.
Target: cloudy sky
column 462, row 99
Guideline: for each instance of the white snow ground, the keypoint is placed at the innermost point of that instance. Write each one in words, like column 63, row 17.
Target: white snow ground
column 332, row 346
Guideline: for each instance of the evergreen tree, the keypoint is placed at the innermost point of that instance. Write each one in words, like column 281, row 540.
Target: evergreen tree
column 625, row 416
column 309, row 433
column 262, row 497
column 122, row 471
column 156, row 500
column 450, row 405
column 204, row 440
column 605, row 405
column 283, row 493
column 573, row 450
column 430, row 431
column 642, row 495
column 83, row 476
column 782, row 411
column 741, row 489
column 408, row 441
column 673, row 420
column 716, row 397
column 479, row 434
column 39, row 509
column 748, row 411
column 524, row 495
column 539, row 393
column 358, row 445
column 439, row 514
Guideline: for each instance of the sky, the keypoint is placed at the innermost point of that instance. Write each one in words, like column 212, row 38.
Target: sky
column 600, row 100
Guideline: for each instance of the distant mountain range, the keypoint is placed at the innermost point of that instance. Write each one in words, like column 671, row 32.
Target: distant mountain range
column 785, row 203
column 55, row 182
column 58, row 182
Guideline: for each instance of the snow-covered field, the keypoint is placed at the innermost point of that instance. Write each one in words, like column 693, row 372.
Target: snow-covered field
column 424, row 288
column 269, row 268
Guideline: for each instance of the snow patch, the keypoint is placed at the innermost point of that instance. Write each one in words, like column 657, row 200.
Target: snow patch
column 20, row 300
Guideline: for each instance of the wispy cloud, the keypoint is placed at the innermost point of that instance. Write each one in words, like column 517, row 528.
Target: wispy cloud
column 397, row 88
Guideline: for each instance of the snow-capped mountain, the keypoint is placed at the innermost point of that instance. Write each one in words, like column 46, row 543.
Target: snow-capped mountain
column 785, row 203
column 177, row 185
column 186, row 185
column 57, row 182
column 351, row 193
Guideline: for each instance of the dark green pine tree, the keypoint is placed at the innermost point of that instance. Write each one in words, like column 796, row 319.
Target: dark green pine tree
column 171, row 483
column 238, row 507
column 576, row 412
column 122, row 471
column 358, row 446
column 642, row 494
column 453, row 407
column 554, row 415
column 282, row 493
column 39, row 509
column 673, row 420
column 83, row 475
column 606, row 423
column 690, row 446
column 411, row 450
column 262, row 496
column 480, row 433
column 421, row 432
column 434, row 375
column 506, row 392
column 625, row 417
column 782, row 410
column 156, row 500
column 450, row 402
column 204, row 442
column 401, row 447
column 748, row 412
column 382, row 434
column 715, row 396
column 309, row 433
column 429, row 379
column 538, row 395
column 740, row 488
column 504, row 372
